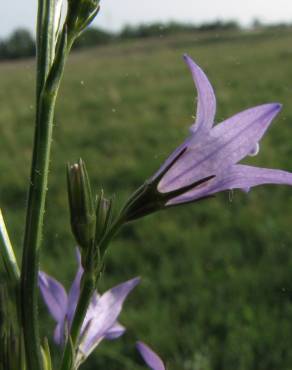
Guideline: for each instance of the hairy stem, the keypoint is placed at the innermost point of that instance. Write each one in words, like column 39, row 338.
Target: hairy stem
column 38, row 186
column 36, row 202
column 33, row 231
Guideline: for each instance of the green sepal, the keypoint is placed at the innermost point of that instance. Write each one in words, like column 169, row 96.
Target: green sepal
column 80, row 14
column 57, row 68
column 46, row 355
column 90, row 19
column 72, row 352
column 148, row 199
column 103, row 216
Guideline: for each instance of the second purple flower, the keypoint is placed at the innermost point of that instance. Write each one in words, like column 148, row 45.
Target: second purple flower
column 101, row 318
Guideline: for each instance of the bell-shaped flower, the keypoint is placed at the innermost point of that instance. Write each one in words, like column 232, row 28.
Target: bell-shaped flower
column 101, row 318
column 152, row 360
column 207, row 161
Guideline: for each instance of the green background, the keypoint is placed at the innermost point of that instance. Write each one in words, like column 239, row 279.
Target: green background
column 216, row 290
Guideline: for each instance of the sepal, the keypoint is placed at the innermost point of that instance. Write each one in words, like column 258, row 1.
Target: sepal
column 80, row 14
column 148, row 199
column 103, row 216
column 46, row 355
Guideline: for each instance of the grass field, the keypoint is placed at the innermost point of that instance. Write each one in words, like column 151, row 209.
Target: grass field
column 216, row 291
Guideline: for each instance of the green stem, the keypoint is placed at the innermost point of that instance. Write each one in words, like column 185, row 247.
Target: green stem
column 89, row 283
column 45, row 42
column 45, row 102
column 87, row 290
column 36, row 206
column 33, row 231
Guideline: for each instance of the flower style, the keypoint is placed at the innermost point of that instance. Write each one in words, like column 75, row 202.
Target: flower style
column 207, row 161
column 101, row 318
column 153, row 361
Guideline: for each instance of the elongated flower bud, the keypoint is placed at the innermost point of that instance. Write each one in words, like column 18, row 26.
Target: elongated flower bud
column 82, row 208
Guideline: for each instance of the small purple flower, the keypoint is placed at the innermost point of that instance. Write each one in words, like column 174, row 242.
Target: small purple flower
column 207, row 161
column 101, row 318
column 153, row 361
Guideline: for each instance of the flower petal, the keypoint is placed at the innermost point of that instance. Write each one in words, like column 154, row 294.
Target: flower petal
column 115, row 331
column 150, row 357
column 90, row 313
column 206, row 106
column 54, row 296
column 171, row 158
column 237, row 177
column 243, row 131
column 74, row 290
column 225, row 145
column 59, row 334
column 107, row 310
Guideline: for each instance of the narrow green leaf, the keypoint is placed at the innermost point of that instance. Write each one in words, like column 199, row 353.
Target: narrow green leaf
column 7, row 252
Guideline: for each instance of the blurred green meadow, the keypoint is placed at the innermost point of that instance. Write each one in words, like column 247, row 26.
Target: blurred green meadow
column 216, row 290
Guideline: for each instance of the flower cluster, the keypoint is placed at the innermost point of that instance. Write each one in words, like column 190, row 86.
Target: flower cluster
column 207, row 162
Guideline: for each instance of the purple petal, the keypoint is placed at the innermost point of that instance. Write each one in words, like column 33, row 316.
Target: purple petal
column 243, row 131
column 106, row 312
column 237, row 177
column 90, row 313
column 54, row 296
column 74, row 290
column 59, row 334
column 115, row 331
column 153, row 361
column 225, row 145
column 206, row 106
column 172, row 156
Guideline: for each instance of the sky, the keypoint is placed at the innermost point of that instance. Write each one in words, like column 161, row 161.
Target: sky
column 115, row 14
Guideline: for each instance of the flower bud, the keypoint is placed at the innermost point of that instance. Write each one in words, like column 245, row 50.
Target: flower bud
column 82, row 208
column 103, row 216
column 80, row 13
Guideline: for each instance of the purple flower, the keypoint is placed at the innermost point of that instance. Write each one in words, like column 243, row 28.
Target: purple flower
column 207, row 161
column 101, row 318
column 153, row 361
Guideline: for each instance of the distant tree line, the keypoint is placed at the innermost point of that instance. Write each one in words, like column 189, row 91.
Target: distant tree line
column 161, row 29
column 21, row 44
